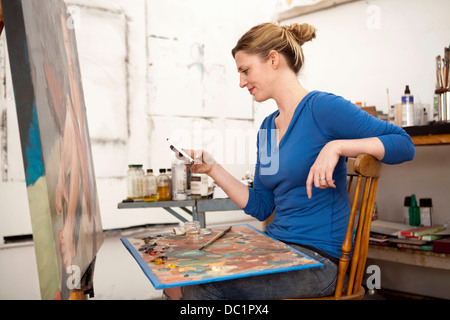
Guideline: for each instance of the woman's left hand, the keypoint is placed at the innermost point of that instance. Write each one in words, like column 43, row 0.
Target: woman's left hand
column 321, row 172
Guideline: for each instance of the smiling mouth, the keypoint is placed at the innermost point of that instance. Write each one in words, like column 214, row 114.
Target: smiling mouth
column 251, row 90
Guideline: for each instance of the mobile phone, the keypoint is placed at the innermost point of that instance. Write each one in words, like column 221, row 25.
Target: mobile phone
column 175, row 148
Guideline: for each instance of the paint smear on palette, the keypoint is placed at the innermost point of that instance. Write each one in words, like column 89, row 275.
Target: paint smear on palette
column 244, row 251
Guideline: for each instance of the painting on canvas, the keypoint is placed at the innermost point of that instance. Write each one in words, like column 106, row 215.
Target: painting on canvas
column 56, row 150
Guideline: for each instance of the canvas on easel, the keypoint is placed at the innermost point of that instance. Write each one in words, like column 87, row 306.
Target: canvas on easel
column 56, row 150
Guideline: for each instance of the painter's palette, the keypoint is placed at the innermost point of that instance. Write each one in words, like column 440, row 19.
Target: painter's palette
column 168, row 261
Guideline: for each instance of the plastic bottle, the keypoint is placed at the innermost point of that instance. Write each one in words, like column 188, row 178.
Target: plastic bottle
column 169, row 174
column 414, row 213
column 188, row 182
column 407, row 108
column 163, row 186
column 150, row 188
column 391, row 115
column 406, row 205
column 435, row 107
column 426, row 212
column 135, row 175
column 179, row 183
column 425, row 116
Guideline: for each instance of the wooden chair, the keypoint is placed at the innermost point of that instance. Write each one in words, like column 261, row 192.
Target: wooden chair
column 363, row 167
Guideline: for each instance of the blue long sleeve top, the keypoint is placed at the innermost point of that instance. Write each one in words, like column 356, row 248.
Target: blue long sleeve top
column 281, row 172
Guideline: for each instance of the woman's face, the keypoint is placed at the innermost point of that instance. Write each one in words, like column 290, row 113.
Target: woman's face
column 255, row 75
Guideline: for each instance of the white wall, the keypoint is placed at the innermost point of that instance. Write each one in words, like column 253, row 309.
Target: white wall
column 366, row 47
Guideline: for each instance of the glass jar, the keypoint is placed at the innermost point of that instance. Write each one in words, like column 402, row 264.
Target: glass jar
column 163, row 186
column 192, row 230
column 150, row 187
column 135, row 177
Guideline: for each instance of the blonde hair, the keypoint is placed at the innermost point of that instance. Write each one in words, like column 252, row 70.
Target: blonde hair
column 287, row 40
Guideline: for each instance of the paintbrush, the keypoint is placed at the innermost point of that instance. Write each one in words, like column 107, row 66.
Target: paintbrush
column 446, row 68
column 219, row 235
column 438, row 72
column 389, row 100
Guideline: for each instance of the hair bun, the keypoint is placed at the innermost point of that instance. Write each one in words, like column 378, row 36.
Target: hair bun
column 287, row 40
column 302, row 32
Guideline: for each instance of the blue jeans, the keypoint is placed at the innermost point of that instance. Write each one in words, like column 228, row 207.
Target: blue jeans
column 311, row 282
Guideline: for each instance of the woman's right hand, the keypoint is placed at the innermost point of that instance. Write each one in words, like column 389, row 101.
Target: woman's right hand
column 203, row 161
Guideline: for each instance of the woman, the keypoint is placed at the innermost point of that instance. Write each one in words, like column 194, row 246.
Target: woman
column 300, row 171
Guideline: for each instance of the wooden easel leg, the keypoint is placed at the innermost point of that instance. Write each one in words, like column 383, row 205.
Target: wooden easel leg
column 78, row 295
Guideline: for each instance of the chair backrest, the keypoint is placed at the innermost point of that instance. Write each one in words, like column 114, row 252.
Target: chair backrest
column 362, row 170
column 363, row 167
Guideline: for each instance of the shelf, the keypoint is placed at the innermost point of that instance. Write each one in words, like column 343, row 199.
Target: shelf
column 427, row 259
column 216, row 205
column 302, row 9
column 433, row 134
column 202, row 205
column 155, row 204
column 431, row 139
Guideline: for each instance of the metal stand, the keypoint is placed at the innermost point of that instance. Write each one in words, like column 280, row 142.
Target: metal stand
column 197, row 211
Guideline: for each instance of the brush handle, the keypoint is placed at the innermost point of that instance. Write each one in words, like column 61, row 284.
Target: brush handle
column 439, row 76
column 438, row 79
column 219, row 235
column 446, row 78
column 445, row 72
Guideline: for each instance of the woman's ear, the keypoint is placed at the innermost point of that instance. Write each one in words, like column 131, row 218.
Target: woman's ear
column 274, row 58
